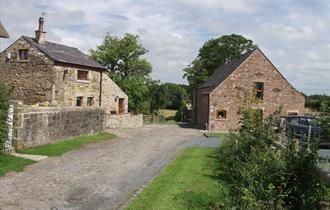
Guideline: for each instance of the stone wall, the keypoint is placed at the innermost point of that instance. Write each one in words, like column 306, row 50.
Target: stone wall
column 67, row 87
column 124, row 121
column 111, row 93
column 41, row 125
column 31, row 80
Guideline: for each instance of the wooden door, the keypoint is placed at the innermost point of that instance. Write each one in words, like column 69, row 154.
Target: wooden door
column 121, row 106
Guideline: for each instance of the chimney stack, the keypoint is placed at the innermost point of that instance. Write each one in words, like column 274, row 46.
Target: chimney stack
column 40, row 33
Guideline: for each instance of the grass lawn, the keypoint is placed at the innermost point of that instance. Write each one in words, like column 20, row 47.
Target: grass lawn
column 215, row 134
column 189, row 182
column 12, row 163
column 61, row 147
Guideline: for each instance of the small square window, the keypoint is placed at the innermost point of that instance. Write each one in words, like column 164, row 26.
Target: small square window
column 259, row 88
column 90, row 101
column 222, row 114
column 79, row 101
column 23, row 54
column 82, row 75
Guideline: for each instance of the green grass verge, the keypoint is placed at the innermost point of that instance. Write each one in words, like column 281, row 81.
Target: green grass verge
column 11, row 163
column 168, row 112
column 189, row 182
column 215, row 134
column 61, row 147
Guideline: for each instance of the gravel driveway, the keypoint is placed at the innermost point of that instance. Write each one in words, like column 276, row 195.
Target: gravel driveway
column 99, row 176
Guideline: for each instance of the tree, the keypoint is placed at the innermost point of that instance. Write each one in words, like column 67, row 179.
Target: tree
column 122, row 56
column 214, row 53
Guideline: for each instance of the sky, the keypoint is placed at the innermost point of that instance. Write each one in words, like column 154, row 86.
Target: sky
column 294, row 34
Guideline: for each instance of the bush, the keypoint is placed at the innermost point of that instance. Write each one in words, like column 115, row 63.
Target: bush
column 182, row 113
column 262, row 177
column 4, row 97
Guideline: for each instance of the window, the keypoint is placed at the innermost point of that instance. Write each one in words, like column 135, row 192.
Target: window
column 82, row 75
column 90, row 101
column 293, row 113
column 303, row 121
column 79, row 101
column 23, row 54
column 292, row 121
column 222, row 114
column 259, row 88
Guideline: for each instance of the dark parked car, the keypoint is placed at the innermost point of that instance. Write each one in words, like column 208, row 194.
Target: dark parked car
column 300, row 126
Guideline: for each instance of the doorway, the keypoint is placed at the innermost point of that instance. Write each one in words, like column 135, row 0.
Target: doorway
column 121, row 105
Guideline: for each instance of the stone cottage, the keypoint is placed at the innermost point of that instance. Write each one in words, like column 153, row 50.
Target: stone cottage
column 216, row 103
column 43, row 72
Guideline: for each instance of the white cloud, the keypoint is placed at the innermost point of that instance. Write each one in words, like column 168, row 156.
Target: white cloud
column 235, row 6
column 294, row 36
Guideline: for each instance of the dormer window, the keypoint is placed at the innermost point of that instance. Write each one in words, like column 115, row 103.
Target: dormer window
column 23, row 54
column 259, row 88
column 82, row 75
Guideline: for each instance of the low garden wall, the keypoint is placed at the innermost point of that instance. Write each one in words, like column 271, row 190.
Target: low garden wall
column 40, row 125
column 124, row 121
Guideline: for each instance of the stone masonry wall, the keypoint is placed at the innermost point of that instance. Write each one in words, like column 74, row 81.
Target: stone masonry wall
column 124, row 121
column 111, row 93
column 40, row 125
column 277, row 92
column 67, row 87
column 31, row 79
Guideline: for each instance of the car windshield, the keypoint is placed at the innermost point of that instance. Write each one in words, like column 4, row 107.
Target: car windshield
column 313, row 122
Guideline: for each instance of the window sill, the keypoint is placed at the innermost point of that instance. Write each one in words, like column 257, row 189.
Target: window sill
column 217, row 119
column 83, row 81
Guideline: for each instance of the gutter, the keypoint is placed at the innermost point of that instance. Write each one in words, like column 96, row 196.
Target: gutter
column 100, row 96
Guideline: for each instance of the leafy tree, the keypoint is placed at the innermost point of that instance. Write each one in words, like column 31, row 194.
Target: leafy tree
column 137, row 90
column 122, row 55
column 214, row 53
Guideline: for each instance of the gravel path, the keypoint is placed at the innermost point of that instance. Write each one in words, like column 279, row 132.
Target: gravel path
column 100, row 176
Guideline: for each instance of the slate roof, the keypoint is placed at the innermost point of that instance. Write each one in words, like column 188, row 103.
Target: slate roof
column 3, row 32
column 64, row 54
column 222, row 72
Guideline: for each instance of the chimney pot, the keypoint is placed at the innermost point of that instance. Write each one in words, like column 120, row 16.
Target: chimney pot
column 40, row 33
column 41, row 24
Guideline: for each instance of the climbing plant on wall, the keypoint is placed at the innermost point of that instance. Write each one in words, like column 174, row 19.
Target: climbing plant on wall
column 4, row 92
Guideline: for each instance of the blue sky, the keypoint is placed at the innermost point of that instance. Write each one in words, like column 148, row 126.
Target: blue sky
column 295, row 35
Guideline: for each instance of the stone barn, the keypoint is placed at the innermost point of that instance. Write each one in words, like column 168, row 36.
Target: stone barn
column 216, row 104
column 43, row 72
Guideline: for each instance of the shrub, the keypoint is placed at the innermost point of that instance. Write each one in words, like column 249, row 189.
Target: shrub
column 4, row 94
column 182, row 113
column 262, row 177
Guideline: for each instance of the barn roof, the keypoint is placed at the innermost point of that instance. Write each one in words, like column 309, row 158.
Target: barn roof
column 3, row 32
column 64, row 54
column 224, row 71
